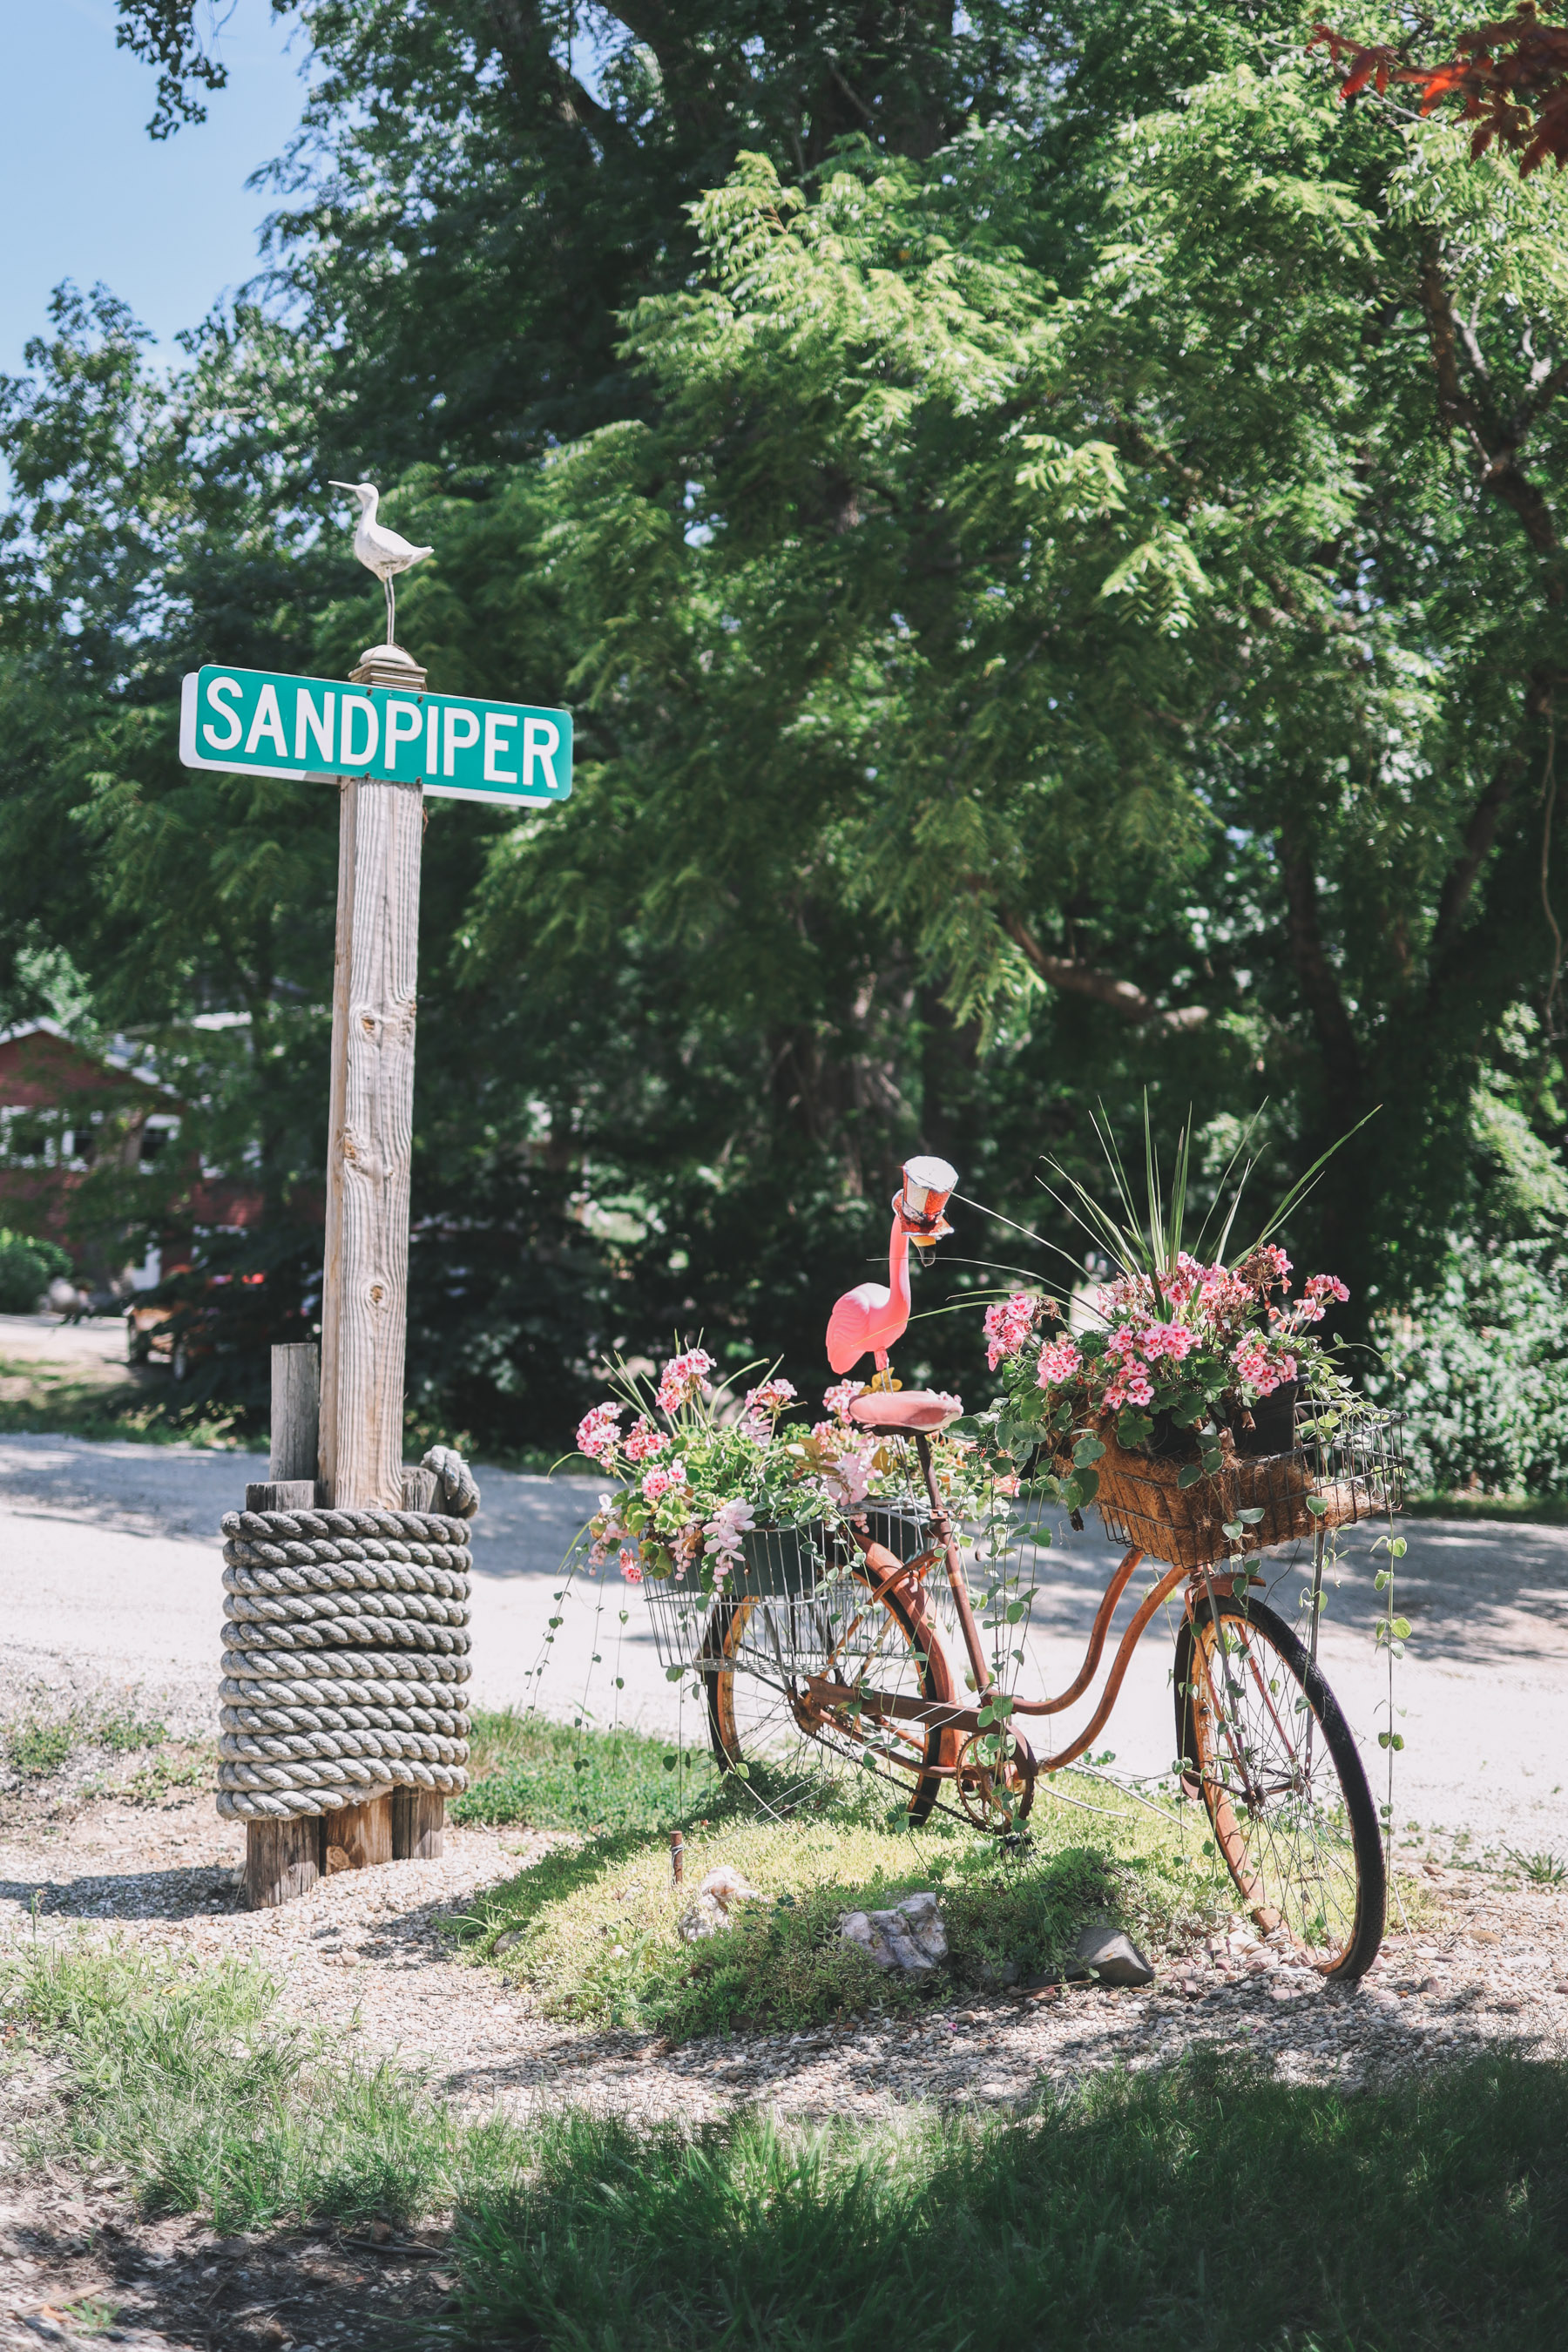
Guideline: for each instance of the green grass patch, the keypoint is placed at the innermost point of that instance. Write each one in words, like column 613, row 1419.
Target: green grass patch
column 529, row 1771
column 127, row 1734
column 1207, row 2207
column 592, row 1932
column 36, row 1749
column 89, row 1399
column 182, row 2079
column 174, row 1767
column 1204, row 2209
column 1519, row 1510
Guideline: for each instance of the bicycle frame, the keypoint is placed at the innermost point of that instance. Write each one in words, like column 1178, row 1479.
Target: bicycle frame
column 964, row 1722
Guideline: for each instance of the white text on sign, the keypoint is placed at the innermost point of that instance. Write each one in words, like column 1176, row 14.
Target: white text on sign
column 255, row 722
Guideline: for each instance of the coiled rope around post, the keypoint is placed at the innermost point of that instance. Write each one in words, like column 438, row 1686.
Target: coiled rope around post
column 346, row 1653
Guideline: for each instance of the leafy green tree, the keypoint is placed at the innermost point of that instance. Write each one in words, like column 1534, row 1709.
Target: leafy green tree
column 1048, row 524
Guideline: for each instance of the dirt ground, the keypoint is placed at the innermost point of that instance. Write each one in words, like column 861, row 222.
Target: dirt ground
column 366, row 1953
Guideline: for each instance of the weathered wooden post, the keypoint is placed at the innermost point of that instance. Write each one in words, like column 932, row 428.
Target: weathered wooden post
column 343, row 1450
column 370, row 1139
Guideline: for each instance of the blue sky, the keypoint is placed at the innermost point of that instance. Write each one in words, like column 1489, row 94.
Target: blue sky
column 169, row 226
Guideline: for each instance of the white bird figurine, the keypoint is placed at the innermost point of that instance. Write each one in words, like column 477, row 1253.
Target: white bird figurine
column 381, row 550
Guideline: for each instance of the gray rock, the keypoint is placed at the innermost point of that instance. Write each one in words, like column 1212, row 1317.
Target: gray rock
column 909, row 1938
column 709, row 1915
column 1110, row 1956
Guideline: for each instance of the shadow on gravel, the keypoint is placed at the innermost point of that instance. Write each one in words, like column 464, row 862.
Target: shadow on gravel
column 199, row 1891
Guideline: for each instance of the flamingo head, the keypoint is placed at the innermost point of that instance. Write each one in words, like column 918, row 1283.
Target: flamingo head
column 919, row 1204
column 365, row 493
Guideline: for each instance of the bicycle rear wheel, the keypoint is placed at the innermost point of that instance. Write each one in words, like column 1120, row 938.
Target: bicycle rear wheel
column 789, row 1692
column 1261, row 1734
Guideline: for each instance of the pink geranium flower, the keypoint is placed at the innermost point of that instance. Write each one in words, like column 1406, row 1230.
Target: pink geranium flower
column 659, row 1480
column 1009, row 1325
column 683, row 1378
column 724, row 1530
column 597, row 1431
column 1059, row 1362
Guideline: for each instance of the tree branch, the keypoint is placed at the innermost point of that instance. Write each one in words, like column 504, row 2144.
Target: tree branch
column 1459, row 881
column 1480, row 833
column 1080, row 979
column 1319, row 981
column 522, row 45
column 1497, row 447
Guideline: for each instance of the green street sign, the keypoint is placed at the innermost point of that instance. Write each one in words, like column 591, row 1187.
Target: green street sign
column 254, row 722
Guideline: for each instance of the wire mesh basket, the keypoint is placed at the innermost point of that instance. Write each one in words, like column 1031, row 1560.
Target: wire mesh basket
column 1342, row 1468
column 781, row 1572
column 679, row 1614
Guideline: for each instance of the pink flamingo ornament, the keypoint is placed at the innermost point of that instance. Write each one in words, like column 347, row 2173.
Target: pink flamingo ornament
column 870, row 1318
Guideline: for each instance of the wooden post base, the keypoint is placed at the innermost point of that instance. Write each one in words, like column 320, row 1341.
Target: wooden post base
column 283, row 1860
column 358, row 1837
column 418, row 1825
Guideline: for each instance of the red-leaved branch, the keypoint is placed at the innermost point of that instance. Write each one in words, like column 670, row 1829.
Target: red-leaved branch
column 1511, row 79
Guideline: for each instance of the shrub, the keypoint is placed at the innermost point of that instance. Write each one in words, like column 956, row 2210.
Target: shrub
column 26, row 1270
column 1480, row 1367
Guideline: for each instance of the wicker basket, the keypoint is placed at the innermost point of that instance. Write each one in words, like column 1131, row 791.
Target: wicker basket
column 1142, row 1502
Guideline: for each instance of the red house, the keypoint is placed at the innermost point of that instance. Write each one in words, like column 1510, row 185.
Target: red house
column 67, row 1111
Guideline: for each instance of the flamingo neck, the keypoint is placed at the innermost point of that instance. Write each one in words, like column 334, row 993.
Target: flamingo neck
column 367, row 511
column 899, row 1263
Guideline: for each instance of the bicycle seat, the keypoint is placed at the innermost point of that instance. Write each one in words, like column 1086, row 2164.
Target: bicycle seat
column 905, row 1412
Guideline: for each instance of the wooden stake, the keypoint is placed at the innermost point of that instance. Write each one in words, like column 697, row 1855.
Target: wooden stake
column 418, row 1825
column 296, row 1412
column 357, row 1837
column 282, row 1859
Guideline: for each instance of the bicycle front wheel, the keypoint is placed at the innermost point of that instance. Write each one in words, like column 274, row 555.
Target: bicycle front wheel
column 1262, row 1736
column 792, row 1684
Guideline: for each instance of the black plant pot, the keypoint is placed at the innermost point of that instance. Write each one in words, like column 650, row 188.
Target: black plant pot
column 1167, row 1439
column 1273, row 1427
column 781, row 1563
column 902, row 1528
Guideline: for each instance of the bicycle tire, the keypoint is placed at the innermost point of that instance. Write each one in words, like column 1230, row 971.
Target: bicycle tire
column 1314, row 1867
column 917, row 1649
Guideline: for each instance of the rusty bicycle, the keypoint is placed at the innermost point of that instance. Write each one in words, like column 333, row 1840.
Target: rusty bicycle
column 843, row 1647
column 843, row 1642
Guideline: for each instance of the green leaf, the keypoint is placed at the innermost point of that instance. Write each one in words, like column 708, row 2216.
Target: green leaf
column 1251, row 1515
column 1188, row 1408
column 1087, row 1449
column 1316, row 1505
column 1402, row 1629
column 1189, row 1473
column 1087, row 1484
column 1132, row 1426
